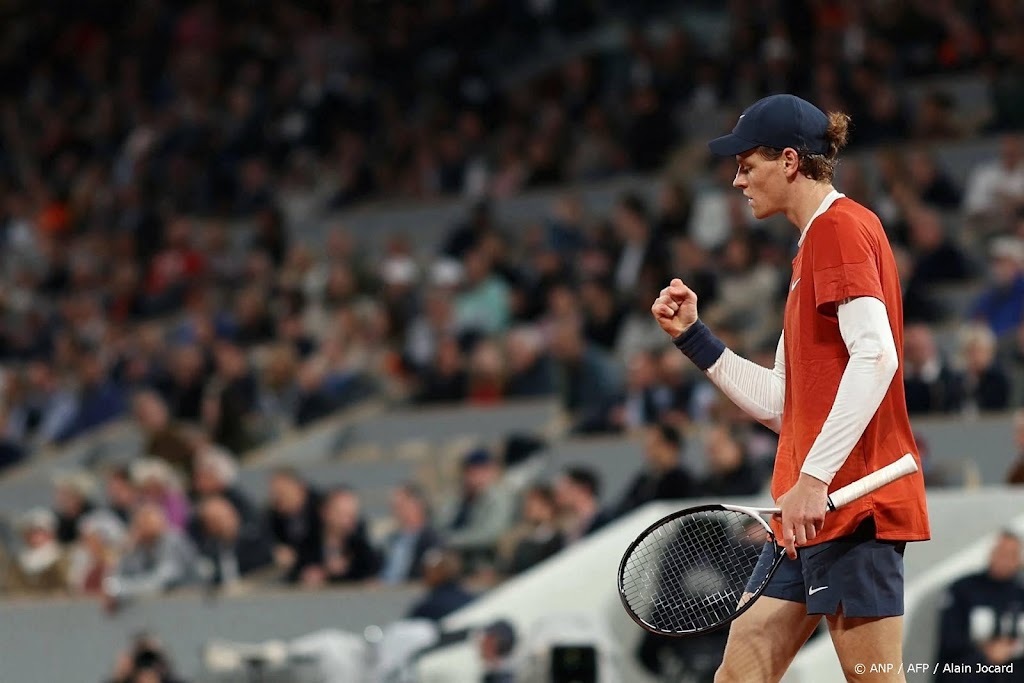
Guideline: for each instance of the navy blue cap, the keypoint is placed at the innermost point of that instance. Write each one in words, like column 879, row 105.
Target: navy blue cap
column 479, row 456
column 777, row 121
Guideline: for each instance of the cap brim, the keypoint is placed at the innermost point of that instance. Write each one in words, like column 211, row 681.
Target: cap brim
column 730, row 145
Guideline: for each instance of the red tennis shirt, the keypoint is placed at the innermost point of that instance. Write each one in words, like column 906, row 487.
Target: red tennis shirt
column 846, row 254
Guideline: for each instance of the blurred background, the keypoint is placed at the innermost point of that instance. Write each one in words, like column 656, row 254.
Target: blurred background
column 325, row 343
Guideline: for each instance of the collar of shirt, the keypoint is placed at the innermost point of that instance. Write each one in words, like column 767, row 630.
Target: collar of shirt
column 822, row 208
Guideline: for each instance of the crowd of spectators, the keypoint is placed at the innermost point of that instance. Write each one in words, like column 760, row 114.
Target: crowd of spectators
column 151, row 271
column 147, row 150
column 150, row 527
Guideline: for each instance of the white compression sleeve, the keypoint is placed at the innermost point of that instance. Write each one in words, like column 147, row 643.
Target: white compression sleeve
column 864, row 325
column 759, row 391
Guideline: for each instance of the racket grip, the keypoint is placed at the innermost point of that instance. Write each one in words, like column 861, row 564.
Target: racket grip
column 876, row 480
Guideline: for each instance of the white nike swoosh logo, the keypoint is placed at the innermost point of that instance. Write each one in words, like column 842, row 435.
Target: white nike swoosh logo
column 793, row 286
column 812, row 591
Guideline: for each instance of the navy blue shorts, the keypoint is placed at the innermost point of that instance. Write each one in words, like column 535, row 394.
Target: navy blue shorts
column 859, row 572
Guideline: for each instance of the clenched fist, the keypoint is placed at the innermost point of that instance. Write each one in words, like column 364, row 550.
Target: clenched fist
column 676, row 308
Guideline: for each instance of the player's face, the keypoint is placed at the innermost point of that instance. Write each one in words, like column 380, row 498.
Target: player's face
column 763, row 183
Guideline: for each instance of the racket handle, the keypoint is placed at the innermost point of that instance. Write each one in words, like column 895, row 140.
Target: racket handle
column 876, row 480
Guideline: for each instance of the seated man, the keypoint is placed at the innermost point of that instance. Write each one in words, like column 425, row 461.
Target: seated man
column 983, row 617
column 483, row 511
column 233, row 549
column 664, row 477
column 343, row 552
column 159, row 558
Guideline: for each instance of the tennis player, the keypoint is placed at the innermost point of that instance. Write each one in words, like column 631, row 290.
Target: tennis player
column 835, row 397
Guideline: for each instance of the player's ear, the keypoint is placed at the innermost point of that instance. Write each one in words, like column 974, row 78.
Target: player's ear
column 790, row 162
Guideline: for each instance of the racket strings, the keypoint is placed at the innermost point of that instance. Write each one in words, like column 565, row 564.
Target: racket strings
column 690, row 574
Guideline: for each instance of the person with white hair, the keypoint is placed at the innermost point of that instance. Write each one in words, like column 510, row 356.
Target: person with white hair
column 101, row 538
column 215, row 473
column 40, row 566
column 986, row 384
column 159, row 484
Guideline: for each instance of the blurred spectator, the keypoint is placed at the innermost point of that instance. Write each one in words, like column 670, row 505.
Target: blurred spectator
column 405, row 547
column 531, row 370
column 602, row 314
column 537, row 538
column 743, row 282
column 719, row 211
column 229, row 404
column 640, row 258
column 435, row 322
column 483, row 509
column 663, row 477
column 74, row 497
column 233, row 548
column 482, row 303
column 1001, row 307
column 343, row 551
column 931, row 385
column 937, row 258
column 982, row 615
column 642, row 403
column 589, row 379
column 157, row 558
column 157, row 483
column 96, row 554
column 44, row 411
column 936, row 118
column 441, row 571
column 99, row 400
column 121, row 493
column 930, row 182
column 146, row 661
column 497, row 644
column 1011, row 354
column 577, row 493
column 183, row 388
column 216, row 474
column 986, row 385
column 487, row 372
column 40, row 565
column 730, row 471
column 995, row 189
column 164, row 439
column 446, row 379
column 293, row 517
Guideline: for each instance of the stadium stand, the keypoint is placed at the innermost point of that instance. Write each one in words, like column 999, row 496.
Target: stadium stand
column 360, row 240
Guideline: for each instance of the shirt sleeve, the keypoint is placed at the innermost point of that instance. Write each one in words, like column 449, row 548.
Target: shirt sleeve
column 844, row 262
column 864, row 325
column 758, row 391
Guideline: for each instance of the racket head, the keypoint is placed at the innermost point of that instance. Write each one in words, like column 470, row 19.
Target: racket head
column 685, row 574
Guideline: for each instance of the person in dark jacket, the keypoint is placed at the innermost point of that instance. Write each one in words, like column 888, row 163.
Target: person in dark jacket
column 664, row 477
column 577, row 493
column 441, row 570
column 982, row 618
column 344, row 552
column 730, row 470
column 233, row 549
column 406, row 546
column 293, row 518
column 539, row 537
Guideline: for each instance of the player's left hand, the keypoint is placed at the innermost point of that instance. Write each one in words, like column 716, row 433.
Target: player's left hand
column 803, row 512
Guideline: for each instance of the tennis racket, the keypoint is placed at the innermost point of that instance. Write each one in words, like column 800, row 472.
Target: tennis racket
column 697, row 569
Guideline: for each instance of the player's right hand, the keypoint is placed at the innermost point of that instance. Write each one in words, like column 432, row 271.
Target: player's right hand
column 675, row 309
